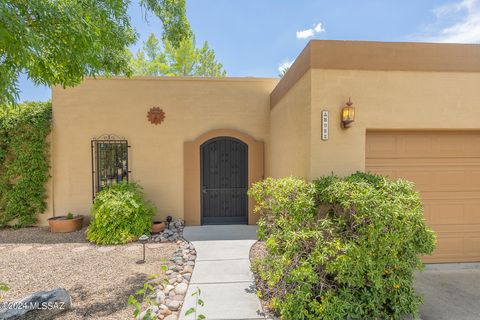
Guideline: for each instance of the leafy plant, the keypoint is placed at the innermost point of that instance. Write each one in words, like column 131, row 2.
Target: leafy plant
column 340, row 248
column 145, row 293
column 120, row 214
column 60, row 42
column 198, row 302
column 69, row 216
column 24, row 156
column 3, row 288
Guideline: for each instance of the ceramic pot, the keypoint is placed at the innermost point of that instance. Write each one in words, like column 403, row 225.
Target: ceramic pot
column 63, row 224
column 158, row 226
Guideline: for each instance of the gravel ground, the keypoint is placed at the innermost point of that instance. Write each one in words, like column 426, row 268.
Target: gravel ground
column 40, row 235
column 258, row 251
column 99, row 278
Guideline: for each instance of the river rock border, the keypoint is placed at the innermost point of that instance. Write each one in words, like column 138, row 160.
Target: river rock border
column 170, row 295
column 173, row 233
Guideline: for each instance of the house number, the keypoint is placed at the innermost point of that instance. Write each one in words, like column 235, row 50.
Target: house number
column 324, row 125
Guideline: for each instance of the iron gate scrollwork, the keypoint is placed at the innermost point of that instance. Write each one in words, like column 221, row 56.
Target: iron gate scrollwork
column 224, row 181
column 109, row 161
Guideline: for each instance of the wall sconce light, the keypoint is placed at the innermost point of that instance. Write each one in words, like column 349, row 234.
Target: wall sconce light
column 348, row 114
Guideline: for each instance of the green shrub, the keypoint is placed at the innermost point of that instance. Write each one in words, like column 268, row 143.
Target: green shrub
column 23, row 161
column 120, row 214
column 341, row 248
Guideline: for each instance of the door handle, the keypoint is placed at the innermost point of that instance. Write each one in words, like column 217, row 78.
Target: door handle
column 204, row 190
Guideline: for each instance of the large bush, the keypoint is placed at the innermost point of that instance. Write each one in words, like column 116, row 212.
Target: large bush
column 120, row 214
column 341, row 248
column 23, row 161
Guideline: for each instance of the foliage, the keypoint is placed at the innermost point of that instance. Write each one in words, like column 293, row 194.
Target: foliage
column 173, row 15
column 120, row 214
column 60, row 42
column 69, row 216
column 3, row 288
column 23, row 162
column 341, row 248
column 145, row 294
column 182, row 60
column 198, row 302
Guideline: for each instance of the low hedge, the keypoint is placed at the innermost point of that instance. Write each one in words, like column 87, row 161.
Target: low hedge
column 340, row 248
column 120, row 214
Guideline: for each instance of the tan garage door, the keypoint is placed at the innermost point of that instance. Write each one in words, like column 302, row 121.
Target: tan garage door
column 445, row 167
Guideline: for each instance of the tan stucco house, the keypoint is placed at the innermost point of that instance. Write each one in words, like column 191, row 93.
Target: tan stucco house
column 196, row 144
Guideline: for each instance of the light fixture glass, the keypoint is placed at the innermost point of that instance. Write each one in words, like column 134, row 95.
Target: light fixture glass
column 348, row 114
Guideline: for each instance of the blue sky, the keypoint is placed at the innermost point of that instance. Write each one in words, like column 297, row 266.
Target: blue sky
column 255, row 37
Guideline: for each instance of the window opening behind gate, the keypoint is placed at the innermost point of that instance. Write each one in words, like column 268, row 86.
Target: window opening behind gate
column 109, row 162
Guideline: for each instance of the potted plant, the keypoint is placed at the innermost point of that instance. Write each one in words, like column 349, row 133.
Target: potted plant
column 68, row 223
column 158, row 226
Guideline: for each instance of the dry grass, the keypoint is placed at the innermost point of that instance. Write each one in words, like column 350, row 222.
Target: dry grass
column 99, row 279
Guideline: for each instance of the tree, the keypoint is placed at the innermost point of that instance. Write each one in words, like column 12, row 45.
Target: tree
column 59, row 42
column 184, row 60
column 173, row 15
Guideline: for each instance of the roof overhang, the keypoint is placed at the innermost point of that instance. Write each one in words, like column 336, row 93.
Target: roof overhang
column 379, row 56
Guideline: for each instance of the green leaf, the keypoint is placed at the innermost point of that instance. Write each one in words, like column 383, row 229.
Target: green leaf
column 190, row 311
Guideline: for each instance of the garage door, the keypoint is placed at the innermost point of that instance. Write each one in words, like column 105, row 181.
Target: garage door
column 445, row 167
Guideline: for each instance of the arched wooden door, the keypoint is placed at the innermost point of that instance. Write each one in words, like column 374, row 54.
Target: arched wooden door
column 224, row 181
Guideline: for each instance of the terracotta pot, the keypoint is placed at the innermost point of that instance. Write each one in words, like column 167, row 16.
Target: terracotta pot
column 63, row 224
column 158, row 226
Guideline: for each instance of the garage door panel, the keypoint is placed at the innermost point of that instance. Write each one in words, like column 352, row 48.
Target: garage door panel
column 451, row 146
column 382, row 146
column 455, row 247
column 423, row 144
column 415, row 145
column 472, row 215
column 450, row 245
column 451, row 178
column 444, row 213
column 445, row 167
column 452, row 212
column 472, row 246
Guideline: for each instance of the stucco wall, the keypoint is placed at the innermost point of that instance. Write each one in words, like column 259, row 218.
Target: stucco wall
column 192, row 106
column 290, row 131
column 385, row 100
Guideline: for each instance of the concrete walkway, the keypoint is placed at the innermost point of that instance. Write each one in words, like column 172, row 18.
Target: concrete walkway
column 450, row 291
column 222, row 272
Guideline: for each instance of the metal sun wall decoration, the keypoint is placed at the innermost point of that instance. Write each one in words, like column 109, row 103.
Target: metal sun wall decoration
column 156, row 115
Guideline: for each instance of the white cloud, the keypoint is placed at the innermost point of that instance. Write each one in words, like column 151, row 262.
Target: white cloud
column 307, row 33
column 457, row 22
column 285, row 65
column 319, row 28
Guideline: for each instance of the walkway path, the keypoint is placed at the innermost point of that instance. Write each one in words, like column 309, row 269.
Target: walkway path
column 222, row 272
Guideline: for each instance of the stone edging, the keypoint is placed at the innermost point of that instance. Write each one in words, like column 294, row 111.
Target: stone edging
column 169, row 297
